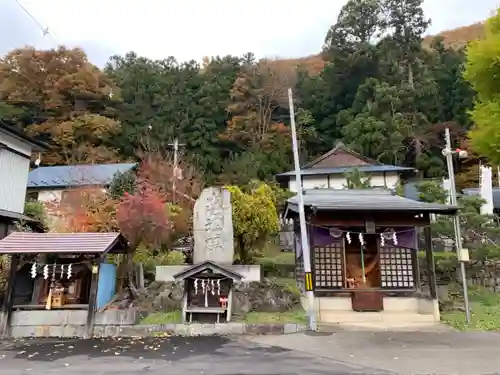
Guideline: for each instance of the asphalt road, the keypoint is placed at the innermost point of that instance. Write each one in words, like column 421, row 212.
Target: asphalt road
column 164, row 355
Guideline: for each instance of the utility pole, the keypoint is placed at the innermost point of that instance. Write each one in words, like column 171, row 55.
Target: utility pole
column 449, row 153
column 302, row 219
column 176, row 146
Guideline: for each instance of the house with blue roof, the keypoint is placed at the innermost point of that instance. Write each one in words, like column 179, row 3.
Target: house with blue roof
column 328, row 171
column 51, row 184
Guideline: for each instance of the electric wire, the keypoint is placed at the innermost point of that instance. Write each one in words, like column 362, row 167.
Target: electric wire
column 45, row 30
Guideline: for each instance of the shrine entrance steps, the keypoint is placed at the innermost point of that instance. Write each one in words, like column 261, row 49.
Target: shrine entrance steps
column 399, row 313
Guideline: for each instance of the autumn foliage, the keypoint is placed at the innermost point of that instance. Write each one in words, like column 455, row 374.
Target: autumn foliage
column 73, row 99
column 145, row 214
column 143, row 217
column 83, row 210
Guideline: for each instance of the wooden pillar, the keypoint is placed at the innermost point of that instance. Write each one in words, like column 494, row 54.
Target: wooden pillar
column 416, row 262
column 9, row 297
column 89, row 328
column 429, row 257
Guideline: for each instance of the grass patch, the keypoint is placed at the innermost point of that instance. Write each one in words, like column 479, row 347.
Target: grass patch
column 485, row 312
column 298, row 316
column 287, row 257
column 162, row 318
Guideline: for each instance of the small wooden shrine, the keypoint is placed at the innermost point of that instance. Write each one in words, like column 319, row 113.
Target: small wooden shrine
column 54, row 271
column 208, row 292
column 363, row 248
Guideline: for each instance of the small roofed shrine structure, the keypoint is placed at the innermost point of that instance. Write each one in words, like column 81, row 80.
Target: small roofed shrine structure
column 51, row 272
column 208, row 292
column 364, row 255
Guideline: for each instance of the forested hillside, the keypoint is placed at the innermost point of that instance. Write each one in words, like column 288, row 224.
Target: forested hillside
column 381, row 91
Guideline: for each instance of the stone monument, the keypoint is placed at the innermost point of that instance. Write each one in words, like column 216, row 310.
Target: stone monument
column 213, row 238
column 213, row 227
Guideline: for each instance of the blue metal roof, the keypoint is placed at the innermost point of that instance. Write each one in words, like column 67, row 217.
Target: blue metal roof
column 75, row 175
column 341, row 170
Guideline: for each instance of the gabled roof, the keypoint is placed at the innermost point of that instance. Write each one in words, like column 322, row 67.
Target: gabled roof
column 207, row 265
column 380, row 168
column 35, row 145
column 373, row 200
column 338, row 149
column 69, row 243
column 75, row 175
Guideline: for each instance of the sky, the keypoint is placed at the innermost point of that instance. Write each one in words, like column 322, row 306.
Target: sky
column 191, row 29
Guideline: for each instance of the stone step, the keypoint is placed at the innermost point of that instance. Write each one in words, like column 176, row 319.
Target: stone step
column 339, row 316
column 385, row 326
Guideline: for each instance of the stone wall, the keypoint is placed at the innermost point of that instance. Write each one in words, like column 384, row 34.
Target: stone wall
column 66, row 323
column 264, row 296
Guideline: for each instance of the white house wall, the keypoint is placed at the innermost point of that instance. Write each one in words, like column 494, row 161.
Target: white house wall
column 389, row 180
column 50, row 196
column 14, row 177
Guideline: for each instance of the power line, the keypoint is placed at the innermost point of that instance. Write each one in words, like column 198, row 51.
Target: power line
column 45, row 30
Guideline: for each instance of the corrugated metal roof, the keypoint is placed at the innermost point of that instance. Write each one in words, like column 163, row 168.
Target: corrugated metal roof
column 75, row 175
column 341, row 170
column 70, row 243
column 365, row 200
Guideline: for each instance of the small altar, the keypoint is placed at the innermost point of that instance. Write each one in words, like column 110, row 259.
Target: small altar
column 208, row 292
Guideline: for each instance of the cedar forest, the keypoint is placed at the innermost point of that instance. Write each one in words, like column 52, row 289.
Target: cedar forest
column 381, row 91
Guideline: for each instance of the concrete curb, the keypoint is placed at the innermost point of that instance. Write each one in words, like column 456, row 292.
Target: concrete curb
column 222, row 329
column 124, row 330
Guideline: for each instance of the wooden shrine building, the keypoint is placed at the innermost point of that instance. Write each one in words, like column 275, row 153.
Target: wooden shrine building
column 51, row 272
column 364, row 254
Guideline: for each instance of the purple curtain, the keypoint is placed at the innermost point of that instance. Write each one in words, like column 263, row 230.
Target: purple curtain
column 407, row 238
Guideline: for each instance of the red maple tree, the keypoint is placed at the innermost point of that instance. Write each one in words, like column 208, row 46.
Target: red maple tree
column 143, row 216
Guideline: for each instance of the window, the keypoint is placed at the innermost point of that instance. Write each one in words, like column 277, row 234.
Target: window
column 396, row 268
column 32, row 196
column 328, row 266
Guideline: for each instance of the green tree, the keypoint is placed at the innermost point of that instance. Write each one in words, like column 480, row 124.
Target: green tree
column 431, row 192
column 164, row 99
column 480, row 233
column 483, row 73
column 255, row 219
column 355, row 179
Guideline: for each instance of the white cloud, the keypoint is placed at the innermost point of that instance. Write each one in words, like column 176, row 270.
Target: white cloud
column 190, row 29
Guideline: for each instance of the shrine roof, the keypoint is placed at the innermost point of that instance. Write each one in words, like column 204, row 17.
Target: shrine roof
column 68, row 243
column 207, row 265
column 374, row 200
